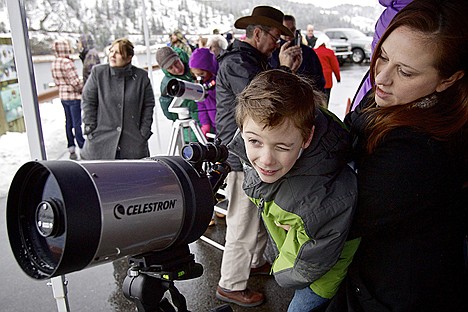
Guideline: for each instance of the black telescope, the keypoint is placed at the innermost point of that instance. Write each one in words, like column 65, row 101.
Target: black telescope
column 64, row 216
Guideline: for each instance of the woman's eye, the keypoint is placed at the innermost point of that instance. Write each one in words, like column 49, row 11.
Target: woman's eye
column 403, row 73
column 383, row 58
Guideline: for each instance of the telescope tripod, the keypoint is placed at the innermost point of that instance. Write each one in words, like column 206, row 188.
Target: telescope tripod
column 151, row 275
column 183, row 121
column 177, row 134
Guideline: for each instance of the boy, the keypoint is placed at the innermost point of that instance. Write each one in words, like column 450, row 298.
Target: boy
column 295, row 164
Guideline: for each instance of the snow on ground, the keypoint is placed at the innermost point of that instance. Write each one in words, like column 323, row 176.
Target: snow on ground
column 14, row 147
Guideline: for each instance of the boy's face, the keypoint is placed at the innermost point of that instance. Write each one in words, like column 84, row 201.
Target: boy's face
column 272, row 151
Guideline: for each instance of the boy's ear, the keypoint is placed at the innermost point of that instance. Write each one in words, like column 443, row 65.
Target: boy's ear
column 307, row 143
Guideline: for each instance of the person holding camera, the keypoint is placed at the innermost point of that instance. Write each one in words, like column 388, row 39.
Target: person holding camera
column 238, row 65
column 310, row 66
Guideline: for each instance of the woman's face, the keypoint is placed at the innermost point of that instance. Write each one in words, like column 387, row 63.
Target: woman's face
column 116, row 59
column 405, row 70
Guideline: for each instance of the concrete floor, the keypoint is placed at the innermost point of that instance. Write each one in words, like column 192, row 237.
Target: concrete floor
column 200, row 292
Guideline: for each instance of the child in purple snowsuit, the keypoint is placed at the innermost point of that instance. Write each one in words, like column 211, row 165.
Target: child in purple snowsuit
column 204, row 67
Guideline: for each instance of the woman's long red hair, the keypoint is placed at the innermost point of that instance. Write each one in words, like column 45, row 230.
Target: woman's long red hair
column 445, row 28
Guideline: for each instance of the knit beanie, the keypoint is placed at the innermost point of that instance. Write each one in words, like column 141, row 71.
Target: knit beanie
column 166, row 56
column 203, row 58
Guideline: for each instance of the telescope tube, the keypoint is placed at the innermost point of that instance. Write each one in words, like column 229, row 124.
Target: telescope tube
column 64, row 216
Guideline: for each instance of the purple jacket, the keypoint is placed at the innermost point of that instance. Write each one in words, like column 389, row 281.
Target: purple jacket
column 392, row 8
column 203, row 58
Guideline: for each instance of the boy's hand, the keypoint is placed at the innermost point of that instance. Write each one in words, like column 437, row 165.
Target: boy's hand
column 286, row 227
column 290, row 56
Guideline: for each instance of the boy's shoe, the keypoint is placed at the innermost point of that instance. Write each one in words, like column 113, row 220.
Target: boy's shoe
column 73, row 156
column 244, row 298
column 212, row 222
column 261, row 270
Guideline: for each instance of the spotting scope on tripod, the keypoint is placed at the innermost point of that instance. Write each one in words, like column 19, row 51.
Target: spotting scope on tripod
column 65, row 216
column 182, row 90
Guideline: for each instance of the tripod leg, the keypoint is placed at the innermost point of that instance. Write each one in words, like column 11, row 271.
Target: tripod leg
column 178, row 299
column 147, row 293
column 198, row 133
column 176, row 135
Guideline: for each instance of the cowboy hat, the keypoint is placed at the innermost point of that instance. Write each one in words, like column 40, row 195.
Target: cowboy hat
column 264, row 16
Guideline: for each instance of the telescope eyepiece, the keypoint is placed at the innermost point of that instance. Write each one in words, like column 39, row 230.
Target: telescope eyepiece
column 195, row 152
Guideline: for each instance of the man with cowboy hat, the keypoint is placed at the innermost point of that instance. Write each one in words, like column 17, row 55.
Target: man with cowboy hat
column 238, row 65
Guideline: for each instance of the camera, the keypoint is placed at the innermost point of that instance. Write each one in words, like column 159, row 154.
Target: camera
column 298, row 37
column 65, row 216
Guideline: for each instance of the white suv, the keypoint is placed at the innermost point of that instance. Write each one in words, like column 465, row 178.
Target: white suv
column 360, row 43
column 342, row 49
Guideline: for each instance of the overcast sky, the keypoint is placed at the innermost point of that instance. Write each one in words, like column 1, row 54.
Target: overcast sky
column 331, row 3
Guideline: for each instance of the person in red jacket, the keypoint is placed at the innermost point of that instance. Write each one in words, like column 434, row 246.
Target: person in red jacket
column 329, row 64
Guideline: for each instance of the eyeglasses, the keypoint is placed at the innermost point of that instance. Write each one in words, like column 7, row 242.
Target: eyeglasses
column 277, row 40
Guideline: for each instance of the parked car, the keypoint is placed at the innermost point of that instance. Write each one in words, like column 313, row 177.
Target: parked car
column 360, row 43
column 341, row 48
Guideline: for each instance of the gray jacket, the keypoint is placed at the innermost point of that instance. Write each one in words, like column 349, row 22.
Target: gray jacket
column 117, row 106
column 238, row 65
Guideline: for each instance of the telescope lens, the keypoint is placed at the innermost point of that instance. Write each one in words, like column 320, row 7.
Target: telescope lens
column 37, row 232
column 45, row 219
column 38, row 223
column 193, row 152
column 187, row 152
column 175, row 88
